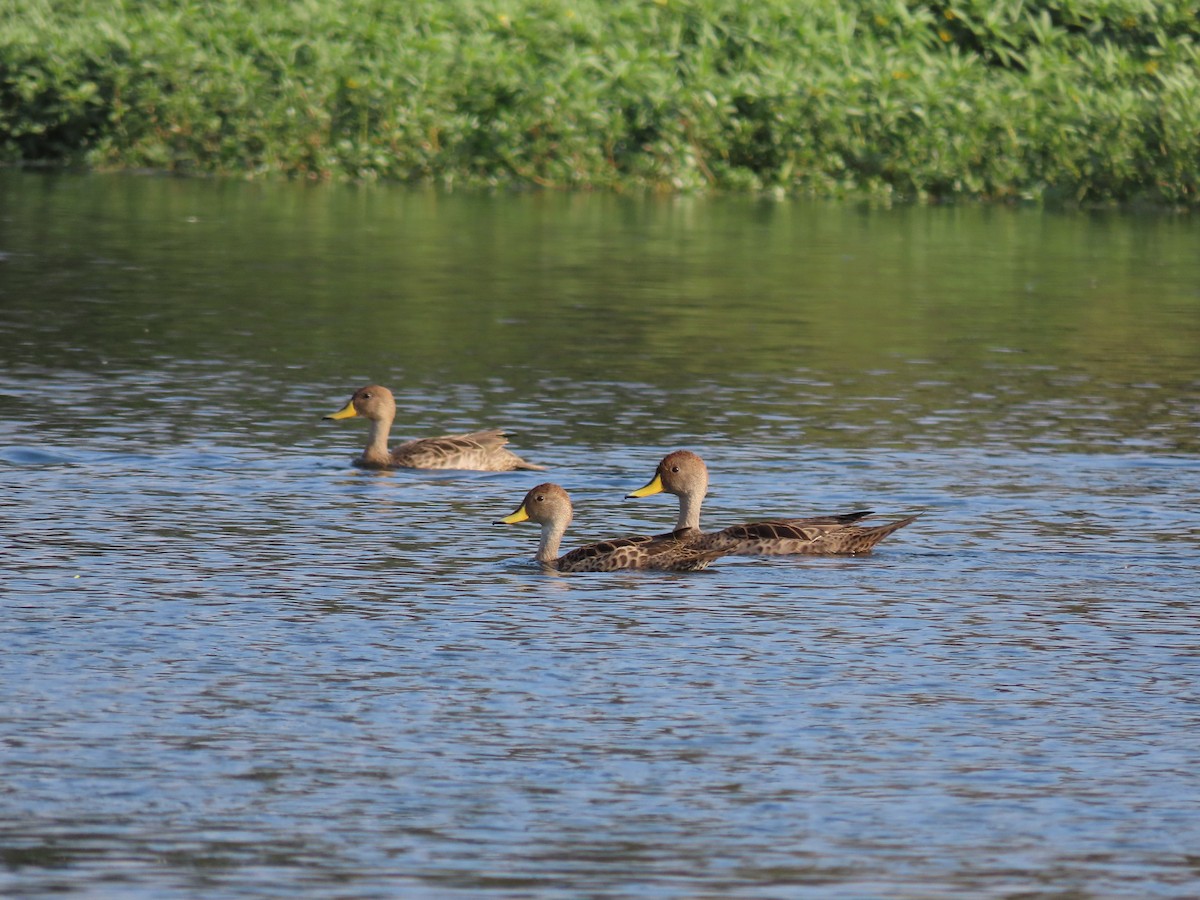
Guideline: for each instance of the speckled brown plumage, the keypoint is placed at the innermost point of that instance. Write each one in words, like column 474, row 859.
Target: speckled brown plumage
column 483, row 451
column 684, row 474
column 786, row 537
column 550, row 506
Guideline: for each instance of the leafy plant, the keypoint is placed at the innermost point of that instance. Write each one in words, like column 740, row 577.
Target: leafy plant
column 1092, row 101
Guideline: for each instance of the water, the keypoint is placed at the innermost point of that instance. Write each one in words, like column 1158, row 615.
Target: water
column 234, row 666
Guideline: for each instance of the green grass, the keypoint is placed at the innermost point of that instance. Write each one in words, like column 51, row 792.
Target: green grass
column 1069, row 100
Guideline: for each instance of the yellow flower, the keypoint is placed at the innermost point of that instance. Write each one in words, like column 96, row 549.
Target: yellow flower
column 505, row 21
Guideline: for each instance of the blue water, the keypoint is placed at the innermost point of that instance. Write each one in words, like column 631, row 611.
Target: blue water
column 235, row 666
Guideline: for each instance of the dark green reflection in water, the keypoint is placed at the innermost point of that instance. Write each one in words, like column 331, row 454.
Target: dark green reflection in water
column 876, row 326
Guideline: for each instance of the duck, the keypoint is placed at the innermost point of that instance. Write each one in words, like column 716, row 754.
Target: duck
column 549, row 505
column 482, row 451
column 684, row 474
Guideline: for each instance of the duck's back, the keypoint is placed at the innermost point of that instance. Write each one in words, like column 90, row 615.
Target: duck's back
column 828, row 535
column 664, row 553
column 480, row 451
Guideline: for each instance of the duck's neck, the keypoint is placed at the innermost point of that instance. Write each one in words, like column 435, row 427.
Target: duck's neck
column 689, row 510
column 552, row 535
column 377, row 442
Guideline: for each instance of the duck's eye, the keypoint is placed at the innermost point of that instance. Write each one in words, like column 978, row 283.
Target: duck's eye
column 674, row 468
column 539, row 498
column 366, row 396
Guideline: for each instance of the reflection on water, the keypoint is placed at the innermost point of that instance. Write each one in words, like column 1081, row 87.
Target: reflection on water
column 871, row 328
column 236, row 666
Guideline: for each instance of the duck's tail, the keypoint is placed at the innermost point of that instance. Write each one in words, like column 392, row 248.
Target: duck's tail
column 868, row 536
column 533, row 467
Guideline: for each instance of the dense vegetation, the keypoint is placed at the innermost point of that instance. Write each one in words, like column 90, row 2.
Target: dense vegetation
column 1089, row 100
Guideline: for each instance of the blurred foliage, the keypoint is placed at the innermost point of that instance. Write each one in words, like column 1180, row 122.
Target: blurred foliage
column 1084, row 101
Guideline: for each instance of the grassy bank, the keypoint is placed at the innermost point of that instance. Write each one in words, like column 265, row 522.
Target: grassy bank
column 1088, row 101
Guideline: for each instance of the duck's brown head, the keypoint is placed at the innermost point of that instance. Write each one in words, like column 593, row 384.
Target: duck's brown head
column 679, row 473
column 371, row 402
column 543, row 504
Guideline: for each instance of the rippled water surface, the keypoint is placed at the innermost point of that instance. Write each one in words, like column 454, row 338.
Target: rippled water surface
column 235, row 666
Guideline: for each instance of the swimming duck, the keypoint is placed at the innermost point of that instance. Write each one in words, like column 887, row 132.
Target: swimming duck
column 482, row 451
column 550, row 506
column 684, row 474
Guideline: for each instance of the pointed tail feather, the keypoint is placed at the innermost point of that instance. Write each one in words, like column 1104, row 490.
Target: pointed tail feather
column 873, row 535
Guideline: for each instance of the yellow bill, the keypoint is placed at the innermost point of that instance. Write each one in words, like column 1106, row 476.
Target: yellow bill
column 346, row 412
column 519, row 516
column 654, row 487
